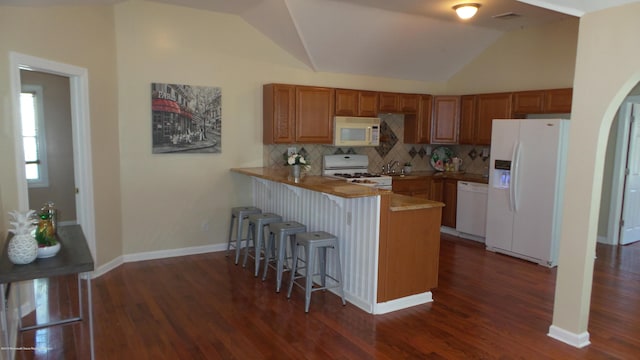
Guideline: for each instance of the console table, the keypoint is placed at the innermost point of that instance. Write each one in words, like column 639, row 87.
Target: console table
column 74, row 257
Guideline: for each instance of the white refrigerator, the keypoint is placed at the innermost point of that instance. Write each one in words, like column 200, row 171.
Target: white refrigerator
column 526, row 185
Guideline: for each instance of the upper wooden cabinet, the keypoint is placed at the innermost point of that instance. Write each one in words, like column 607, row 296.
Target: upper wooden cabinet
column 297, row 114
column 542, row 101
column 417, row 127
column 409, row 103
column 468, row 133
column 489, row 107
column 388, row 102
column 445, row 119
column 314, row 114
column 356, row 103
column 558, row 101
column 528, row 102
column 278, row 115
column 398, row 103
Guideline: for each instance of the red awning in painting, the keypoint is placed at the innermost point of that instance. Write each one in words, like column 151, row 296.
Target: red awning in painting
column 165, row 105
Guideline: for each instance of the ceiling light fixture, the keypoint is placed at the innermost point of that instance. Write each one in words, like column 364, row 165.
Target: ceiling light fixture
column 466, row 11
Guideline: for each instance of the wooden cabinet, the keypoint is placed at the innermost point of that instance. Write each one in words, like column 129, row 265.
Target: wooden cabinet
column 542, row 101
column 279, row 111
column 528, row 102
column 468, row 124
column 409, row 103
column 558, row 101
column 418, row 187
column 409, row 251
column 314, row 114
column 435, row 189
column 489, row 107
column 388, row 102
column 297, row 114
column 445, row 118
column 417, row 127
column 450, row 200
column 356, row 103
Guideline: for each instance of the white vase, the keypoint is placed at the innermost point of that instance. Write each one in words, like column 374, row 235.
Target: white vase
column 22, row 249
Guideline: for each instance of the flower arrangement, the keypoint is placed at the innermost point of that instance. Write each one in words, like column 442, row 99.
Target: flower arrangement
column 297, row 159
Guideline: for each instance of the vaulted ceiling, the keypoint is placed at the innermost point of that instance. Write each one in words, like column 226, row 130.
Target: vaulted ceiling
column 404, row 39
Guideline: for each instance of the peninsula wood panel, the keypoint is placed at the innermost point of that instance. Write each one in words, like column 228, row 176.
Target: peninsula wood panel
column 409, row 265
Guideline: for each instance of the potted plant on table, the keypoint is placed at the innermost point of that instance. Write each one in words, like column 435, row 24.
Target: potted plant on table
column 48, row 244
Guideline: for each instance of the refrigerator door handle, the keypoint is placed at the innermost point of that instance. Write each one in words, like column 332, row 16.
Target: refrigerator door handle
column 515, row 165
column 511, row 179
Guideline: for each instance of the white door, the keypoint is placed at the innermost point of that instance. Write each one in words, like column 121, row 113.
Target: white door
column 630, row 229
column 499, row 228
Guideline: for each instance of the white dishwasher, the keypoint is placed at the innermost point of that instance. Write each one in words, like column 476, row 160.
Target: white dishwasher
column 471, row 212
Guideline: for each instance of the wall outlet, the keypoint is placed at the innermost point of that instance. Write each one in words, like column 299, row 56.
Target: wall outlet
column 291, row 151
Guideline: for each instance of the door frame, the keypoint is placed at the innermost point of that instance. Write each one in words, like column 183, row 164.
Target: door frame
column 619, row 167
column 81, row 133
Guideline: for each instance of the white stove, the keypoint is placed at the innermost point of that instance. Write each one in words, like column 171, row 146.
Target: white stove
column 354, row 169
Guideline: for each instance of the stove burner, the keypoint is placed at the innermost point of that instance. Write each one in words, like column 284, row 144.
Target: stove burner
column 357, row 175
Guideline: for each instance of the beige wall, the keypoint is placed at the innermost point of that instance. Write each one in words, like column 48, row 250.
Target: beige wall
column 606, row 71
column 57, row 123
column 531, row 58
column 179, row 200
column 82, row 36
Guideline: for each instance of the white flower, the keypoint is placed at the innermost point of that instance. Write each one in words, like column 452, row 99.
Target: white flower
column 292, row 160
column 297, row 159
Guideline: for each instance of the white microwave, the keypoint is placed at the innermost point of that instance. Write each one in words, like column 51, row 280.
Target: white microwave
column 356, row 131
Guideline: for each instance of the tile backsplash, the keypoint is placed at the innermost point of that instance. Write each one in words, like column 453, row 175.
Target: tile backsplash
column 474, row 158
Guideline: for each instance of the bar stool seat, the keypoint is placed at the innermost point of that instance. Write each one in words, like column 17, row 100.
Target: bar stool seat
column 315, row 243
column 239, row 215
column 255, row 234
column 277, row 242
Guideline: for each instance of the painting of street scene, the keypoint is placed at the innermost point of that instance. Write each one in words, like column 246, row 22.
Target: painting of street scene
column 186, row 118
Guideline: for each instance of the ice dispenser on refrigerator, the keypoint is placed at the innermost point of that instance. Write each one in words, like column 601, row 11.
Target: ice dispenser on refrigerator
column 501, row 174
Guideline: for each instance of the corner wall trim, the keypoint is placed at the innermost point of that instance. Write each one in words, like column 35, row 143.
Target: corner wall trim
column 567, row 337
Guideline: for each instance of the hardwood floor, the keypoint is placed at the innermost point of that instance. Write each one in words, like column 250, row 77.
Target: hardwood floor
column 487, row 306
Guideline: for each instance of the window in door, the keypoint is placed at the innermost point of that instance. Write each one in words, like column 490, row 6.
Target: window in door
column 33, row 136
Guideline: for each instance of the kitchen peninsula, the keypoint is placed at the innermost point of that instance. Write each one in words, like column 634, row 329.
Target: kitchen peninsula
column 389, row 243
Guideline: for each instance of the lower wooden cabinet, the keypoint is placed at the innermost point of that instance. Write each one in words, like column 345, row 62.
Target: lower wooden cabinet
column 433, row 188
column 450, row 200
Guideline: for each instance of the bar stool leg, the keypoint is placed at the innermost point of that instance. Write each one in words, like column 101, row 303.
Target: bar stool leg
column 258, row 242
column 230, row 234
column 339, row 273
column 269, row 254
column 239, row 238
column 251, row 235
column 309, row 255
column 282, row 245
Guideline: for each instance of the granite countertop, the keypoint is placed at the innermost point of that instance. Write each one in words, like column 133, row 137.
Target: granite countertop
column 323, row 184
column 338, row 187
column 444, row 175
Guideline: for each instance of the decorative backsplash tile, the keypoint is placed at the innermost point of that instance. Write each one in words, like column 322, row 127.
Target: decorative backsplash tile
column 473, row 158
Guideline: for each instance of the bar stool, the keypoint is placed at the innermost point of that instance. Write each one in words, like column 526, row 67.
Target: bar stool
column 239, row 214
column 312, row 241
column 282, row 230
column 255, row 233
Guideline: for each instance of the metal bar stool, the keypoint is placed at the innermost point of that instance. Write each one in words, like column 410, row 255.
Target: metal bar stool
column 255, row 234
column 278, row 243
column 312, row 241
column 239, row 215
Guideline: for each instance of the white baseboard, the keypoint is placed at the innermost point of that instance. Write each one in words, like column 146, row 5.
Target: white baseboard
column 153, row 255
column 567, row 337
column 402, row 303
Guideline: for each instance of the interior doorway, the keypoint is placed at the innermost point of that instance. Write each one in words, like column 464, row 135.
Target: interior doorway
column 51, row 116
column 624, row 210
column 80, row 133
